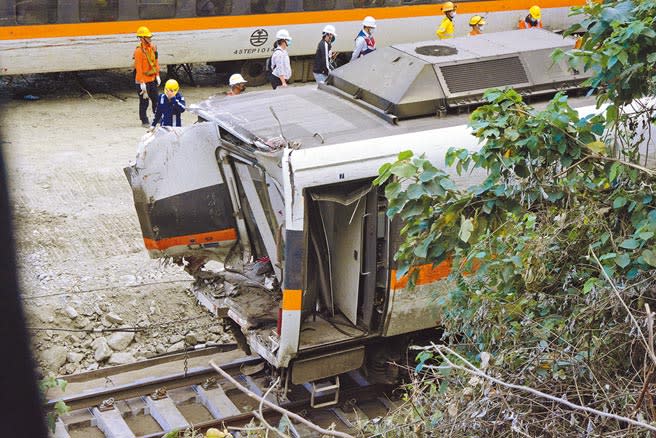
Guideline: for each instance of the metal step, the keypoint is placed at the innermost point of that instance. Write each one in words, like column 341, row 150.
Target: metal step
column 323, row 388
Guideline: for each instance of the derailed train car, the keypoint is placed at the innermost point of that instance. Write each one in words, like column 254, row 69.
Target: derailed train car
column 277, row 186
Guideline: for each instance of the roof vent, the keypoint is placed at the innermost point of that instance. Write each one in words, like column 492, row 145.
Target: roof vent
column 422, row 78
column 484, row 74
column 436, row 50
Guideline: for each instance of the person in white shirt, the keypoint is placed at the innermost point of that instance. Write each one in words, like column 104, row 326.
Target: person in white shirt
column 281, row 69
column 364, row 41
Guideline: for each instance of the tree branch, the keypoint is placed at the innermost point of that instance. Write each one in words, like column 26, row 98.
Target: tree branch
column 650, row 349
column 471, row 369
column 277, row 408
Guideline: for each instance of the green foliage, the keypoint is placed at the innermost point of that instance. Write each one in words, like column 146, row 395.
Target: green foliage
column 526, row 288
column 619, row 48
column 558, row 189
column 60, row 407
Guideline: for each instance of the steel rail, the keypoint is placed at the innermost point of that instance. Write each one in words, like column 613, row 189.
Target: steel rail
column 368, row 392
column 155, row 360
column 131, row 390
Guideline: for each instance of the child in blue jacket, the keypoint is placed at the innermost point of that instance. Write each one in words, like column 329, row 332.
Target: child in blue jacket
column 170, row 103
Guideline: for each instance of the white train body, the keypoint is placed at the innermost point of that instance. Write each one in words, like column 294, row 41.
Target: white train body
column 290, row 173
column 67, row 43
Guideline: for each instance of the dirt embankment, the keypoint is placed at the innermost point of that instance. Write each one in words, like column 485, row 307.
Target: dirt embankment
column 84, row 271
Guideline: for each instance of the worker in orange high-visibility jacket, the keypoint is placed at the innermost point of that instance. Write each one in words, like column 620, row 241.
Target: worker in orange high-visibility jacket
column 146, row 77
column 476, row 23
column 447, row 29
column 533, row 19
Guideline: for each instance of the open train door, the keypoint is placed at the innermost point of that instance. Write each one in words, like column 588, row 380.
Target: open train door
column 182, row 201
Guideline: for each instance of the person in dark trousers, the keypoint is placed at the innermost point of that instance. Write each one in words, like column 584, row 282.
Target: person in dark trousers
column 281, row 68
column 146, row 69
column 324, row 56
column 170, row 103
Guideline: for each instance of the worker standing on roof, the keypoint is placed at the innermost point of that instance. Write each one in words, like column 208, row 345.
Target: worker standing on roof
column 170, row 104
column 533, row 19
column 476, row 23
column 237, row 84
column 281, row 69
column 324, row 55
column 364, row 41
column 146, row 78
column 446, row 29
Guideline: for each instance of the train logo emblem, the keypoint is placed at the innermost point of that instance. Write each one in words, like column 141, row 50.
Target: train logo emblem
column 259, row 37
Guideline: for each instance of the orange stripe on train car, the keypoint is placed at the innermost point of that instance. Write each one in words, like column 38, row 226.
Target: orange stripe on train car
column 192, row 239
column 261, row 20
column 429, row 274
column 292, row 299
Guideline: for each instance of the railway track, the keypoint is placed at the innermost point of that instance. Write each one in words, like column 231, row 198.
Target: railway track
column 151, row 398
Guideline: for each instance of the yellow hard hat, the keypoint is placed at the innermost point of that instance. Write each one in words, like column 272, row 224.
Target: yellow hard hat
column 213, row 432
column 143, row 31
column 172, row 85
column 476, row 20
column 448, row 6
column 535, row 12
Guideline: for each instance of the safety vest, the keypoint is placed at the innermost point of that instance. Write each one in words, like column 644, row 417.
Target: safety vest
column 369, row 40
column 525, row 24
column 145, row 63
column 446, row 29
column 151, row 57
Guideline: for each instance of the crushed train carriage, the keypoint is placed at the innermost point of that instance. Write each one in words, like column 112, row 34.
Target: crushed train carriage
column 286, row 176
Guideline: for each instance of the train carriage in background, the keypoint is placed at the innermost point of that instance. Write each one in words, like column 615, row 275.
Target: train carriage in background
column 285, row 176
column 41, row 36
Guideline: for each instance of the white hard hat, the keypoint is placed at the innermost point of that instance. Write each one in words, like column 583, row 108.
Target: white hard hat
column 369, row 21
column 330, row 29
column 236, row 79
column 283, row 34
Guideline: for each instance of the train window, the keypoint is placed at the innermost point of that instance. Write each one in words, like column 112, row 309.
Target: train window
column 376, row 3
column 156, row 8
column 318, row 5
column 213, row 7
column 267, row 6
column 98, row 10
column 36, row 11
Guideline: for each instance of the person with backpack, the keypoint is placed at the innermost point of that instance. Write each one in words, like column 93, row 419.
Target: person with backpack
column 146, row 76
column 364, row 41
column 281, row 69
column 324, row 55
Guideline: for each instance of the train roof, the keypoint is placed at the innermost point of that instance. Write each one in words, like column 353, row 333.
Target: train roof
column 396, row 90
column 307, row 116
column 311, row 118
